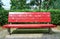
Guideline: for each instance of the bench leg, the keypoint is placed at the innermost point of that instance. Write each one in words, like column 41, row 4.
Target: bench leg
column 49, row 30
column 9, row 31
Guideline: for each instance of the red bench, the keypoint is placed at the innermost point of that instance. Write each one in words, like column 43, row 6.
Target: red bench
column 37, row 18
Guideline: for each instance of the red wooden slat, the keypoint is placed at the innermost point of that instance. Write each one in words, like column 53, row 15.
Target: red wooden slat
column 29, row 26
column 29, row 17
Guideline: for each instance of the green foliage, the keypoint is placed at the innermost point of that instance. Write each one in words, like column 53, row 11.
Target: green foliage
column 55, row 15
column 57, row 4
column 3, row 17
column 36, row 2
column 18, row 4
column 21, row 4
column 45, row 4
column 1, row 5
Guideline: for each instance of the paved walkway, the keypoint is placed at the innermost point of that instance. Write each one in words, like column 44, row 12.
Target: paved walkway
column 34, row 36
column 3, row 33
column 56, row 35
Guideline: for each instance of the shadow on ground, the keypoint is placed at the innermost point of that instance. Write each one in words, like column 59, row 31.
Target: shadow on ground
column 30, row 31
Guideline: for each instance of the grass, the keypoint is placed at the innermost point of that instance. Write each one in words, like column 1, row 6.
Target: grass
column 18, row 31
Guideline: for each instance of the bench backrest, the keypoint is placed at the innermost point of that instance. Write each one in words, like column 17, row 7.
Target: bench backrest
column 29, row 17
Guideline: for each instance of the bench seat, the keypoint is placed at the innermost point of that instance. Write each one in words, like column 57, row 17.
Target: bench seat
column 29, row 26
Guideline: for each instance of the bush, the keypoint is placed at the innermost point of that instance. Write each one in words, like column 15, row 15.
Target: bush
column 3, row 17
column 55, row 15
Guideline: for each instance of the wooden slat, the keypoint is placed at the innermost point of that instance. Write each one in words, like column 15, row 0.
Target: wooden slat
column 29, row 17
column 29, row 26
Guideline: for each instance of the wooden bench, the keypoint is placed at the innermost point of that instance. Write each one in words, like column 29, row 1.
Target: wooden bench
column 34, row 18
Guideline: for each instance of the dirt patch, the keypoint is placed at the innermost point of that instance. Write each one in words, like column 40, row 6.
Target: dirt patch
column 1, row 28
column 58, row 27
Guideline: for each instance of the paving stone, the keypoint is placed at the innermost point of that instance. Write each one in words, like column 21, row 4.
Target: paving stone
column 4, row 35
column 33, row 36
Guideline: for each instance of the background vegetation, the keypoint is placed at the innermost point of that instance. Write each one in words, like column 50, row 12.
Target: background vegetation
column 55, row 15
column 52, row 6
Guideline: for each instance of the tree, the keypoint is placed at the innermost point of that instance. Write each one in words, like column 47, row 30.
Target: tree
column 48, row 4
column 56, row 4
column 18, row 4
column 1, row 5
column 36, row 2
column 39, row 4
